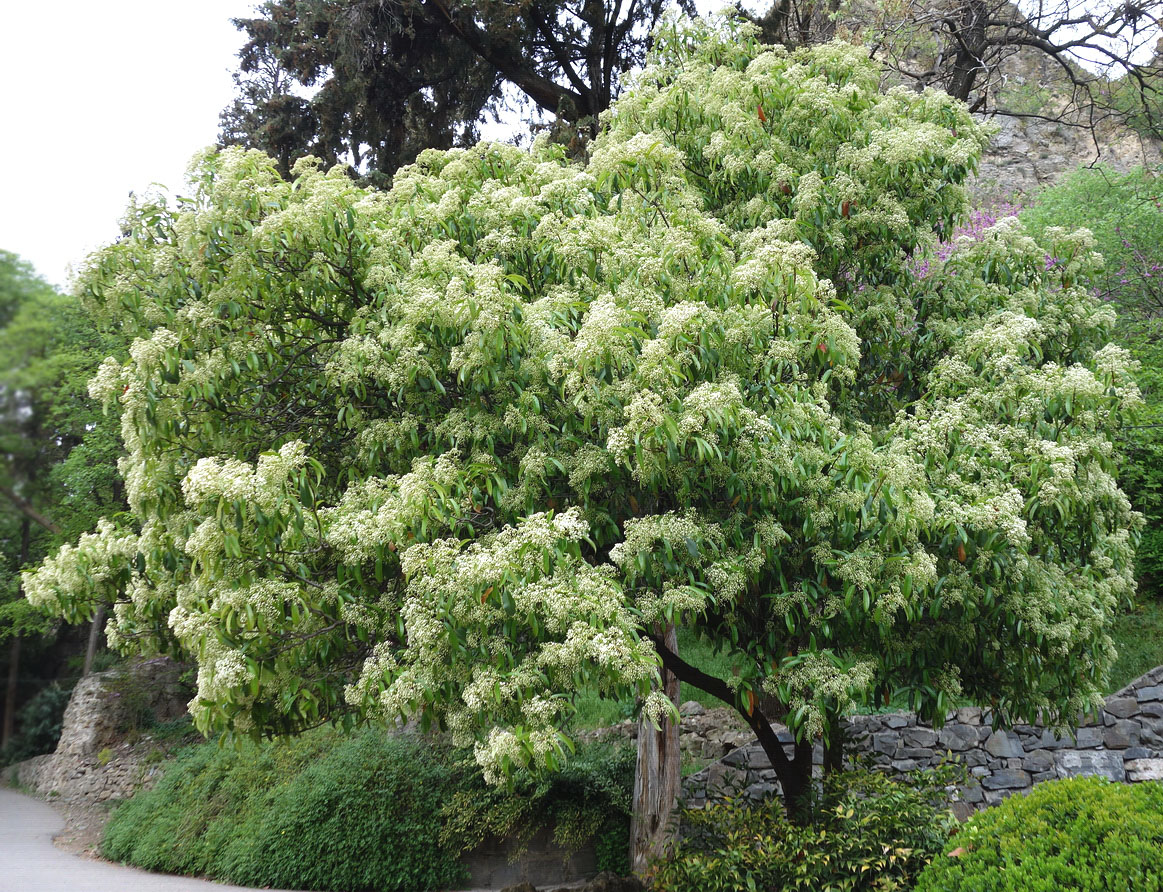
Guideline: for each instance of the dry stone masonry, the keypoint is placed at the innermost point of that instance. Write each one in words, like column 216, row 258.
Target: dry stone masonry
column 1124, row 743
column 93, row 761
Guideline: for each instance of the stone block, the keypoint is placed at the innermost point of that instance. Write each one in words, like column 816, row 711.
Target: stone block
column 1138, row 752
column 1049, row 741
column 896, row 722
column 914, row 752
column 1004, row 745
column 962, row 811
column 1122, row 707
column 1155, row 710
column 1144, row 769
column 692, row 708
column 1085, row 763
column 886, row 742
column 920, row 737
column 974, row 758
column 903, row 765
column 1006, row 779
column 740, row 757
column 1038, row 760
column 760, row 791
column 1153, row 692
column 957, row 737
column 1088, row 738
column 969, row 715
column 1121, row 734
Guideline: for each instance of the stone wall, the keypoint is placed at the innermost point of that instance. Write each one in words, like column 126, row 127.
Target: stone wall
column 93, row 760
column 1124, row 743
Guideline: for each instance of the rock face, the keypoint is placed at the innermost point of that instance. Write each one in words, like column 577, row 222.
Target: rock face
column 92, row 761
column 1124, row 742
column 1027, row 154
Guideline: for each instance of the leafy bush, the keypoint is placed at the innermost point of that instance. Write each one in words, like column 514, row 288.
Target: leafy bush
column 366, row 812
column 38, row 725
column 1125, row 213
column 870, row 833
column 590, row 799
column 1083, row 833
column 314, row 813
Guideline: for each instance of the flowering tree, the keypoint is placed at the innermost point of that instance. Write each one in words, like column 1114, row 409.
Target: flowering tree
column 460, row 449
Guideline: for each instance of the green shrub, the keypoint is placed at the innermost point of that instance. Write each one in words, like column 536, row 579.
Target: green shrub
column 1125, row 213
column 870, row 833
column 38, row 725
column 367, row 812
column 319, row 812
column 1084, row 833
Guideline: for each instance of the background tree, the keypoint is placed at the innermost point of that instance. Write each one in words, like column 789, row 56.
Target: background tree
column 393, row 77
column 58, row 455
column 457, row 450
column 1082, row 63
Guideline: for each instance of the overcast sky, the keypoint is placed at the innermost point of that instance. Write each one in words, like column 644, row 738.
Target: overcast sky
column 105, row 97
column 102, row 98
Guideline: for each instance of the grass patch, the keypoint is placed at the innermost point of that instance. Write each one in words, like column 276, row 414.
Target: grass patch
column 1138, row 636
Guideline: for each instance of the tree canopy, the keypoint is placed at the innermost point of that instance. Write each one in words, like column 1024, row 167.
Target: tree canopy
column 459, row 449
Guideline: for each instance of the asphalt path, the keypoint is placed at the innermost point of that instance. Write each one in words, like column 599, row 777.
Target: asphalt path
column 29, row 862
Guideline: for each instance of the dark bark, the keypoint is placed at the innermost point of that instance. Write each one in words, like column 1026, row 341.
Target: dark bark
column 969, row 48
column 657, row 777
column 794, row 773
column 30, row 513
column 547, row 94
column 10, row 691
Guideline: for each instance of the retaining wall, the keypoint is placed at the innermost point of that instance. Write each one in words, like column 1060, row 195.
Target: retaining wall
column 1124, row 742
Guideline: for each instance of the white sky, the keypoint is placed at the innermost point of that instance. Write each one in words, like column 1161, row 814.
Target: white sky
column 102, row 98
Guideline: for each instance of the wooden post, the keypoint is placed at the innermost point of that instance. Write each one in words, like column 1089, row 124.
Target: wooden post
column 657, row 778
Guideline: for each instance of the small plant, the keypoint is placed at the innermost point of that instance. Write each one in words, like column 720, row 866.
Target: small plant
column 1082, row 833
column 104, row 757
column 869, row 832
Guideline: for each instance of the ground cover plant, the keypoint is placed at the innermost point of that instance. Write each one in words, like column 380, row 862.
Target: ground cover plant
column 1083, row 833
column 462, row 449
column 870, row 832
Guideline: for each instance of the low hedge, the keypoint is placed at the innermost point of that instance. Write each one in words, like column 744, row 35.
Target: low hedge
column 1078, row 834
column 366, row 812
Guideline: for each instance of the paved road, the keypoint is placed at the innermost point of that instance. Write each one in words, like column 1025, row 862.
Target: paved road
column 29, row 862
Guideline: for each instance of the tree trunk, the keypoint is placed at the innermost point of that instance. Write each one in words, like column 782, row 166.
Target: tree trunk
column 94, row 638
column 794, row 774
column 10, row 691
column 968, row 45
column 657, row 777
